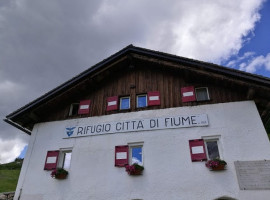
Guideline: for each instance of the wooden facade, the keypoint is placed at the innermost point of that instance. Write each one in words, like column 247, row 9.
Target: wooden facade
column 130, row 73
column 140, row 80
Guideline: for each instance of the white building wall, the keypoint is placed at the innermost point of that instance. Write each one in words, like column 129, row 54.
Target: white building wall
column 169, row 172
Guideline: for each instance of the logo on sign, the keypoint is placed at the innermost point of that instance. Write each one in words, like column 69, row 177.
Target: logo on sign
column 70, row 131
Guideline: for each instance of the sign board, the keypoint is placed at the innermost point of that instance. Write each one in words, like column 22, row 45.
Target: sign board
column 136, row 125
column 253, row 175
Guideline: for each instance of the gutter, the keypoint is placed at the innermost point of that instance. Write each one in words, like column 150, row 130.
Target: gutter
column 18, row 126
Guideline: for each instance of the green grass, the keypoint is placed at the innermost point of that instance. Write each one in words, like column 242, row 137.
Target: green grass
column 8, row 180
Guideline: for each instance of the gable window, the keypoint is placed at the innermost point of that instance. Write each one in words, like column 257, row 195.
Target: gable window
column 124, row 103
column 73, row 110
column 141, row 101
column 202, row 94
column 212, row 147
column 136, row 153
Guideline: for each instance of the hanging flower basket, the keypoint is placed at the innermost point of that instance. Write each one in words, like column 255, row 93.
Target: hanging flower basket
column 216, row 164
column 59, row 173
column 134, row 169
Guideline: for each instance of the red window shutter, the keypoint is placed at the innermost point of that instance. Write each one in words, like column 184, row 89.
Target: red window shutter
column 121, row 156
column 188, row 94
column 153, row 98
column 51, row 160
column 197, row 150
column 84, row 107
column 112, row 103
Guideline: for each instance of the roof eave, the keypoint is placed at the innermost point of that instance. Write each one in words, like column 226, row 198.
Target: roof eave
column 142, row 51
column 18, row 126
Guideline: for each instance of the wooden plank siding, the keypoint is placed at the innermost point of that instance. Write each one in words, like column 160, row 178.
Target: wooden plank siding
column 140, row 80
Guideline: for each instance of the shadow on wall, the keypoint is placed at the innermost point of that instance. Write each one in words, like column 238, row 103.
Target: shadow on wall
column 225, row 198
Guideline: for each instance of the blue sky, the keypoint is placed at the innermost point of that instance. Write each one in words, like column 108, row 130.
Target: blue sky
column 260, row 43
column 257, row 44
column 23, row 152
column 45, row 43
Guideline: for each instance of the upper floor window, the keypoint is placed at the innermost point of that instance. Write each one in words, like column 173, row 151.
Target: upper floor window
column 141, row 101
column 124, row 103
column 73, row 110
column 202, row 94
column 191, row 94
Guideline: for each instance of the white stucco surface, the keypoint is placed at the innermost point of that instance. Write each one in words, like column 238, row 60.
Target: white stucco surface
column 169, row 172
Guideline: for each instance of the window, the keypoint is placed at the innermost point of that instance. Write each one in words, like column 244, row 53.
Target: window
column 212, row 147
column 141, row 101
column 136, row 153
column 190, row 94
column 65, row 158
column 73, row 110
column 202, row 94
column 124, row 103
column 59, row 158
column 129, row 154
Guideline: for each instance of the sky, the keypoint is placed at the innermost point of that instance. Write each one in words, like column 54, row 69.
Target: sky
column 45, row 43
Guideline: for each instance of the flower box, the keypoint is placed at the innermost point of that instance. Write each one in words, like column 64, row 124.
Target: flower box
column 219, row 167
column 59, row 173
column 61, row 176
column 134, row 169
column 216, row 164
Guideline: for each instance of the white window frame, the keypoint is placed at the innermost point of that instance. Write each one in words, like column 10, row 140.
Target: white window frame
column 137, row 100
column 208, row 97
column 210, row 139
column 125, row 97
column 72, row 107
column 61, row 157
column 134, row 145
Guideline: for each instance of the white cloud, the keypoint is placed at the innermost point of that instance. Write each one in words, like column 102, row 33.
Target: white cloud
column 206, row 30
column 10, row 149
column 235, row 62
column 136, row 160
column 256, row 63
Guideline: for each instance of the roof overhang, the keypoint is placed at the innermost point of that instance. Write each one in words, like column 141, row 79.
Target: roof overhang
column 130, row 51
